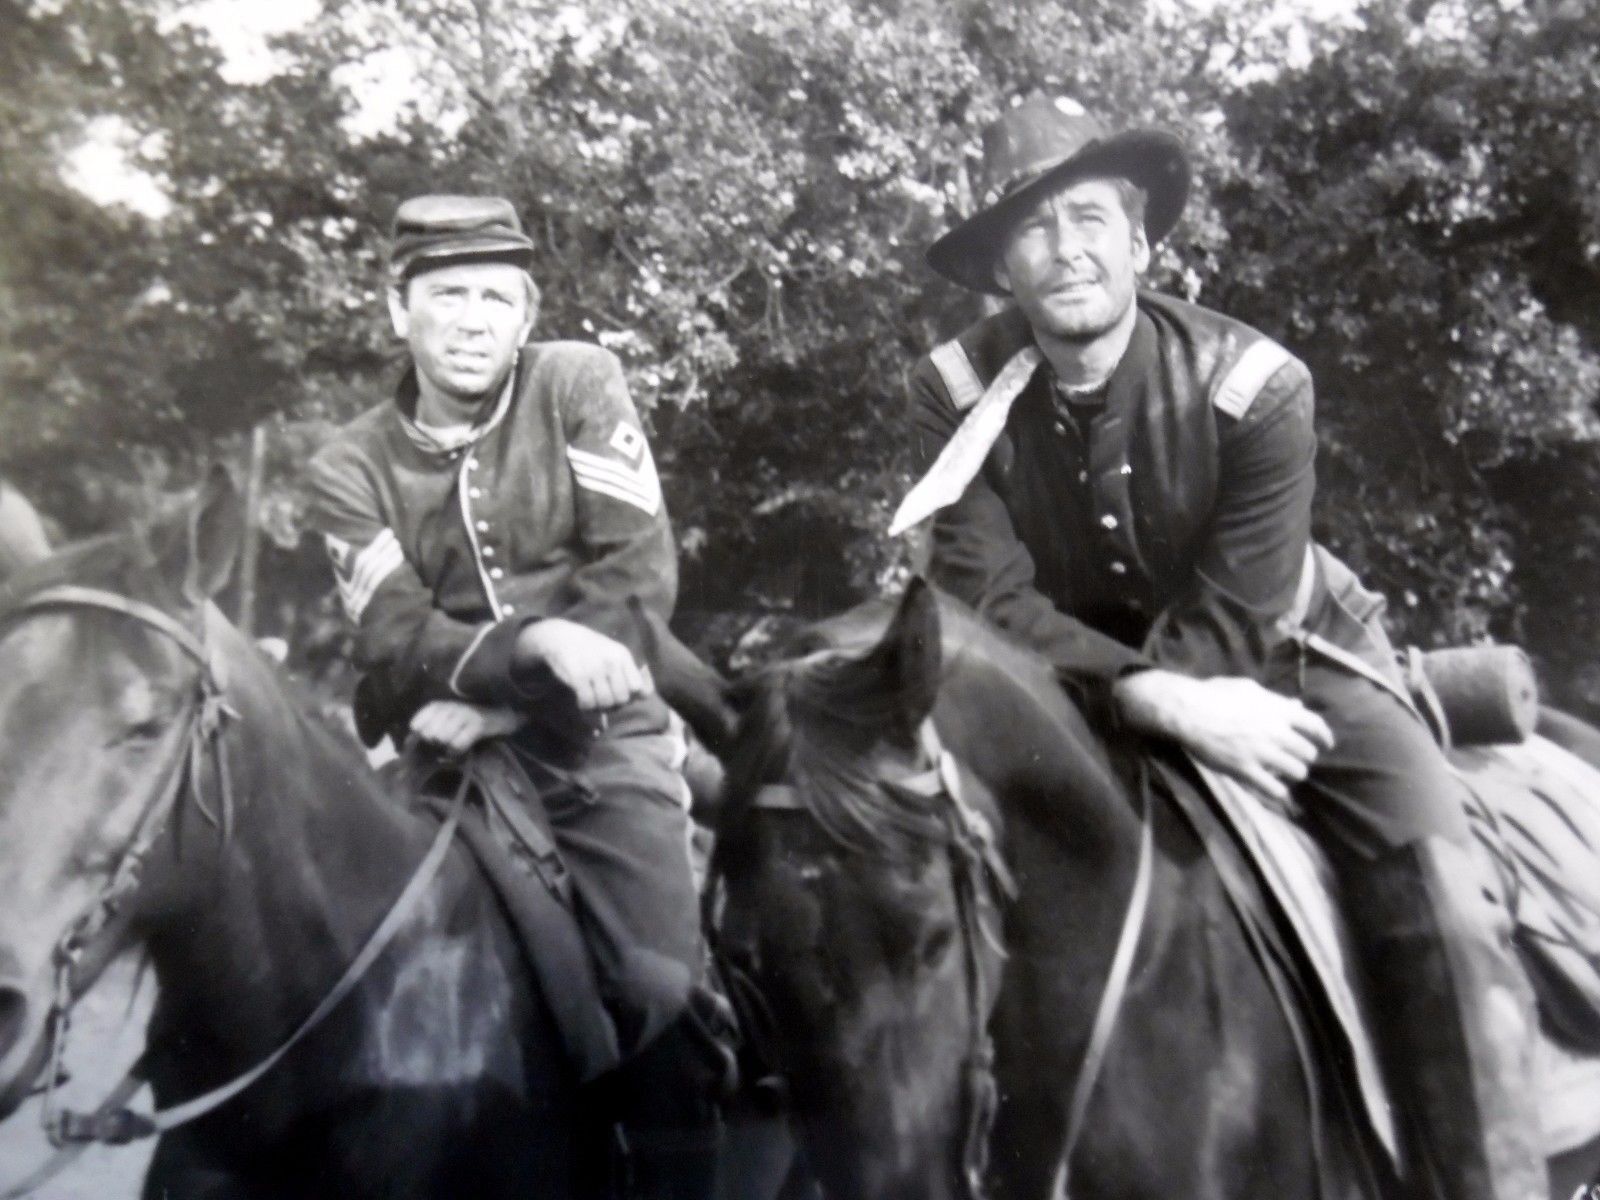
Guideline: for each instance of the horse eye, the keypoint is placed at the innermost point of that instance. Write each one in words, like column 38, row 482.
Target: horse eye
column 139, row 733
column 935, row 945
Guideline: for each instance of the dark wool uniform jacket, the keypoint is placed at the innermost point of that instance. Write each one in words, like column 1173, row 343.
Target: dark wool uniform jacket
column 1178, row 534
column 443, row 551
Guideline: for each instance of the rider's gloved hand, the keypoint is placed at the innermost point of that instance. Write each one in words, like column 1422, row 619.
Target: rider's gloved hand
column 600, row 671
column 455, row 726
column 1231, row 724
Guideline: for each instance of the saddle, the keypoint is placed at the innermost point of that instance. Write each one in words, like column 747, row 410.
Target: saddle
column 505, row 829
column 1535, row 812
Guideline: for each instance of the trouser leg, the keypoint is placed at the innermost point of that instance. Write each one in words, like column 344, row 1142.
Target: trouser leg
column 1455, row 1021
column 1454, row 1014
column 665, row 1099
column 622, row 826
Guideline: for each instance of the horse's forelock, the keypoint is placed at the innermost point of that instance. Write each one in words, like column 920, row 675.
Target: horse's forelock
column 797, row 730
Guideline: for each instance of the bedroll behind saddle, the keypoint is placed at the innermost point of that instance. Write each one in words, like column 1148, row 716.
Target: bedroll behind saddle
column 1535, row 810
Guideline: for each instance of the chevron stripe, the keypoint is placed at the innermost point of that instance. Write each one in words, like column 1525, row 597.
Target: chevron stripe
column 638, row 486
column 366, row 571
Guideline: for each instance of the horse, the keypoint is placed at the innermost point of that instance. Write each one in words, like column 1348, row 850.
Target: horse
column 164, row 790
column 843, row 874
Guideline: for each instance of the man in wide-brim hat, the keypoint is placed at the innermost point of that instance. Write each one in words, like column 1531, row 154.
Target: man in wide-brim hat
column 1124, row 481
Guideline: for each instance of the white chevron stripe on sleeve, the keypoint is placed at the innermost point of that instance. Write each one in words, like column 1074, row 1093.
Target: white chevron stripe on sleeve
column 638, row 486
column 963, row 455
column 368, row 569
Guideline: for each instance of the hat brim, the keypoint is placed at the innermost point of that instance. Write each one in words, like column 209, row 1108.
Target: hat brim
column 1152, row 158
column 518, row 252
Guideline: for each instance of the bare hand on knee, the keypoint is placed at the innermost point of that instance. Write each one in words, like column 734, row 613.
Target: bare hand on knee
column 455, row 726
column 1231, row 724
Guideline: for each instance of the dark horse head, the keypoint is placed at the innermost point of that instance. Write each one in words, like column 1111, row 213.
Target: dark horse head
column 860, row 895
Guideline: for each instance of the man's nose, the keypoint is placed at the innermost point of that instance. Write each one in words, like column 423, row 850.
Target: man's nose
column 474, row 314
column 1069, row 240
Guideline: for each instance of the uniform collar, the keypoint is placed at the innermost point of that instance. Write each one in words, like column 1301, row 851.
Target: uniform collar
column 431, row 441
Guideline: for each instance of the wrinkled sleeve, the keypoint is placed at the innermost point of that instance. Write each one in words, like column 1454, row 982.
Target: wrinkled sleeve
column 622, row 522
column 1249, row 565
column 978, row 557
column 410, row 650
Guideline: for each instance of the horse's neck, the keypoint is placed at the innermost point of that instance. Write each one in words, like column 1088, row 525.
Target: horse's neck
column 316, row 854
column 1026, row 740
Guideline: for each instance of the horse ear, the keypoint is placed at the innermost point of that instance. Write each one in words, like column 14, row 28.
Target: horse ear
column 898, row 678
column 216, row 533
column 690, row 686
column 918, row 656
column 197, row 545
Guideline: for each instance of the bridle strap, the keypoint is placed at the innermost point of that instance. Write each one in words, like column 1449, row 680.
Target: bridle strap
column 72, row 595
column 1111, row 1000
column 973, row 854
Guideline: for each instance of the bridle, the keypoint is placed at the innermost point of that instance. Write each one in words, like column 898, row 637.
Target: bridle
column 979, row 872
column 205, row 717
column 980, row 877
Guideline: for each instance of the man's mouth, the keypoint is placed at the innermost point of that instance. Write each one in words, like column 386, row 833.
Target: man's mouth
column 1074, row 287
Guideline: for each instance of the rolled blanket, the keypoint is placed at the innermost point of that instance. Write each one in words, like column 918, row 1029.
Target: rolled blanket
column 1488, row 693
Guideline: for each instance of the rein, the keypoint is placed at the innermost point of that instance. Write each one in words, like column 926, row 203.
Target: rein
column 205, row 717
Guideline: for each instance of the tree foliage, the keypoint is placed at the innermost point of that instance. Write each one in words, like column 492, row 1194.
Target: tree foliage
column 735, row 198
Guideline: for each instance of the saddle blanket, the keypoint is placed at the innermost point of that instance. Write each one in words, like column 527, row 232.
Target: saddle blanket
column 1297, row 874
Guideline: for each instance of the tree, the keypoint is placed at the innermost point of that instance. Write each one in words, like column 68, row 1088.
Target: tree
column 735, row 198
column 1417, row 216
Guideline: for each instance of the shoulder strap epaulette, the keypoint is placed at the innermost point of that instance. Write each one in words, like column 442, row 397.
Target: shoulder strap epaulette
column 960, row 377
column 1248, row 375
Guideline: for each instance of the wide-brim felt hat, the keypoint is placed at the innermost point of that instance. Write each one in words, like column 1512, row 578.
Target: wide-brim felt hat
column 433, row 231
column 1039, row 145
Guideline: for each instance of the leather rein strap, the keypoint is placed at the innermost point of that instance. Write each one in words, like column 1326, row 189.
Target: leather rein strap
column 1111, row 999
column 205, row 714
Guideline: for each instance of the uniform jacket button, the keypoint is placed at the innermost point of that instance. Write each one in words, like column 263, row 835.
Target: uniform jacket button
column 1109, row 521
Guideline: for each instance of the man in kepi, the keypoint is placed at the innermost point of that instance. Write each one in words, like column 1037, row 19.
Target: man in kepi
column 491, row 523
column 1124, row 482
